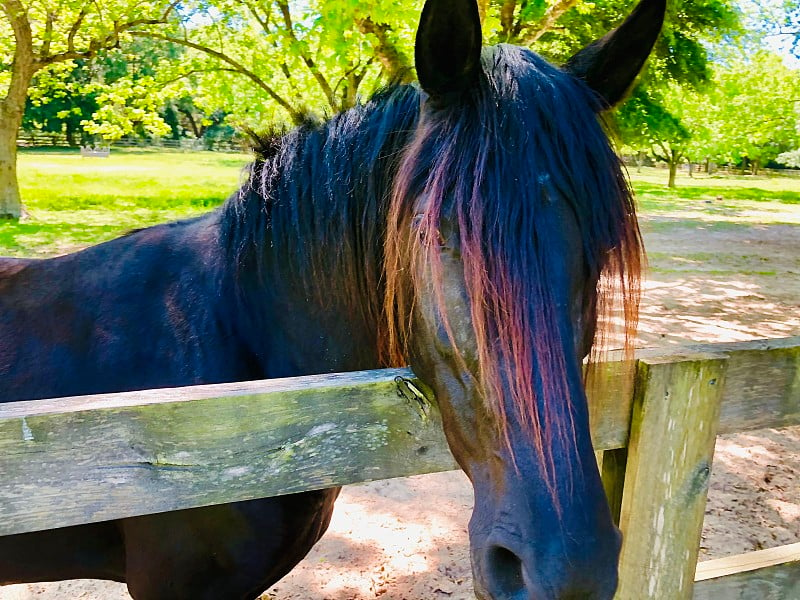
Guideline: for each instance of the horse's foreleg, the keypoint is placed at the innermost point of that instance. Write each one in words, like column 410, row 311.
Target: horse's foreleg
column 232, row 551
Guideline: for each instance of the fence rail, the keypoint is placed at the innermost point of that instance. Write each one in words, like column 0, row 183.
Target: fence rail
column 40, row 140
column 157, row 450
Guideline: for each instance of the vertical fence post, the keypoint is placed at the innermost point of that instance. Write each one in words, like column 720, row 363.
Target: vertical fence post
column 673, row 429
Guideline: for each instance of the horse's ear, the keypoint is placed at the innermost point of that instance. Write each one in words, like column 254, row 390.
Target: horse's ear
column 448, row 46
column 610, row 65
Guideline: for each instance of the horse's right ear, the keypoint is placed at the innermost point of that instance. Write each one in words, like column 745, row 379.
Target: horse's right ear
column 610, row 65
column 448, row 47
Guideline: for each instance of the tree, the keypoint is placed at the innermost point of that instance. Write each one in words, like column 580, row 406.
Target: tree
column 58, row 102
column 654, row 124
column 37, row 36
column 775, row 20
column 754, row 108
column 274, row 61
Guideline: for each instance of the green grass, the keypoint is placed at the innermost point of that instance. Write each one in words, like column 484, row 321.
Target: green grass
column 75, row 201
column 732, row 198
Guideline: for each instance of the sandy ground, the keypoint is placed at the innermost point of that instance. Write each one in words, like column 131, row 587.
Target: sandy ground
column 406, row 538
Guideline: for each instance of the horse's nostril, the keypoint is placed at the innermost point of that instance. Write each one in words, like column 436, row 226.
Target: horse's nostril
column 504, row 572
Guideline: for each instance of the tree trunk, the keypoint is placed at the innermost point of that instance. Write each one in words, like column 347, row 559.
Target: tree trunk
column 756, row 166
column 483, row 8
column 10, row 201
column 673, row 168
column 11, row 109
column 70, row 129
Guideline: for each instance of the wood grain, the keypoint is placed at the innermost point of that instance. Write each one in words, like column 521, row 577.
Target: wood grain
column 673, row 429
column 772, row 574
column 82, row 460
column 65, row 461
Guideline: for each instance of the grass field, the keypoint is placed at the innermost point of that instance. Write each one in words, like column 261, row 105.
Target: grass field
column 74, row 201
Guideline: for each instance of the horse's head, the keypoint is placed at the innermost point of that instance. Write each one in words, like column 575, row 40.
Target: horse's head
column 510, row 221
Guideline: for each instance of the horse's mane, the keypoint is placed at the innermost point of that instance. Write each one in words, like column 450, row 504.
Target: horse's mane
column 319, row 196
column 335, row 199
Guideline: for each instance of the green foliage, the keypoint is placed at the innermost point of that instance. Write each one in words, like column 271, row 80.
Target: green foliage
column 776, row 20
column 58, row 101
column 752, row 111
column 651, row 120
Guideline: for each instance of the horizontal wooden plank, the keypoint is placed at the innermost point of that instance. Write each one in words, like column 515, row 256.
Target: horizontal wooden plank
column 750, row 561
column 81, row 460
column 157, row 450
column 772, row 574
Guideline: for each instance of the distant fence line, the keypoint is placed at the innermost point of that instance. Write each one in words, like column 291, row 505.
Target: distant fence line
column 40, row 140
column 633, row 162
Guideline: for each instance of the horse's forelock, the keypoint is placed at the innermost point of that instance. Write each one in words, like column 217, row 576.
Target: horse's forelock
column 527, row 132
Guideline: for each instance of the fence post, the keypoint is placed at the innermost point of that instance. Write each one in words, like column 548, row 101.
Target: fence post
column 673, row 429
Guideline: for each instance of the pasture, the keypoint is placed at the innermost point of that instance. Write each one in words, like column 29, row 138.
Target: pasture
column 724, row 266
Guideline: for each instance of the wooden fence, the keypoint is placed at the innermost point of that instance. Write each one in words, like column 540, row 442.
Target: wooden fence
column 59, row 140
column 86, row 459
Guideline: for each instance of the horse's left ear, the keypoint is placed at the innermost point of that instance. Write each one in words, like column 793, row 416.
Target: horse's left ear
column 610, row 65
column 447, row 51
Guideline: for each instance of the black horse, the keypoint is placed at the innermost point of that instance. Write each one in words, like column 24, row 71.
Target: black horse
column 472, row 227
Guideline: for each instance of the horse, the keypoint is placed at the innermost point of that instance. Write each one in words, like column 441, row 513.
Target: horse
column 476, row 226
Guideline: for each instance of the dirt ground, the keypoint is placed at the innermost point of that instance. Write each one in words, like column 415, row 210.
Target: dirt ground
column 406, row 539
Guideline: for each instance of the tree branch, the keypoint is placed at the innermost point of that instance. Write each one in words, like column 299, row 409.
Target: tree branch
column 75, row 27
column 265, row 27
column 191, row 72
column 297, row 116
column 263, row 22
column 48, row 35
column 394, row 62
column 111, row 40
column 507, row 9
column 552, row 14
column 24, row 65
column 312, row 66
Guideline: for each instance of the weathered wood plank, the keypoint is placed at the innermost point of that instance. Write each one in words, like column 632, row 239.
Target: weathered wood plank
column 82, row 460
column 772, row 574
column 609, row 391
column 676, row 407
column 152, row 451
column 763, row 381
column 750, row 561
column 612, row 471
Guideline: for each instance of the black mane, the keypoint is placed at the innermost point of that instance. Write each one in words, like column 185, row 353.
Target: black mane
column 319, row 196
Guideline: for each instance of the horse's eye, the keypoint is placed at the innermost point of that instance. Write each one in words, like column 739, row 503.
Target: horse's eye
column 425, row 233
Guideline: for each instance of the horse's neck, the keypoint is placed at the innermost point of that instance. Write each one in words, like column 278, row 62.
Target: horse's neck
column 297, row 323
column 291, row 332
